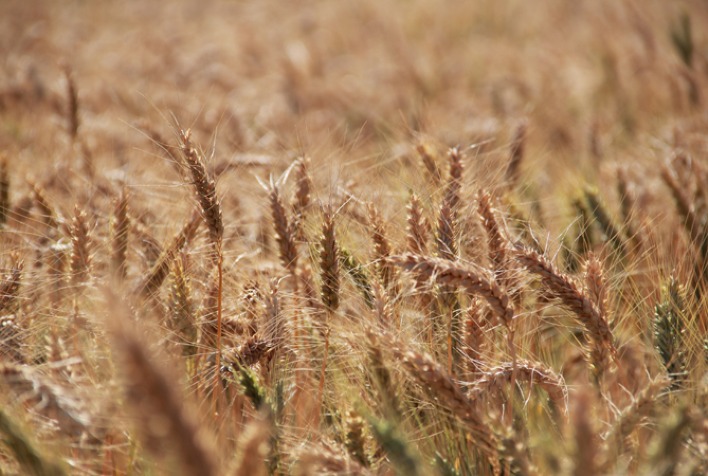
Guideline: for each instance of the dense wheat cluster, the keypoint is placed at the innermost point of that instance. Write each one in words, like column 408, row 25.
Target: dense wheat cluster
column 354, row 237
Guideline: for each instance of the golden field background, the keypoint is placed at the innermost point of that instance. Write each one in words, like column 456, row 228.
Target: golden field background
column 432, row 237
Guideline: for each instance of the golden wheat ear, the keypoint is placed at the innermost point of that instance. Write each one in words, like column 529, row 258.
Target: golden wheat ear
column 166, row 421
column 205, row 188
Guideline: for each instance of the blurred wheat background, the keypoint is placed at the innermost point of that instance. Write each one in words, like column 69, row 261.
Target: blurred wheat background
column 354, row 237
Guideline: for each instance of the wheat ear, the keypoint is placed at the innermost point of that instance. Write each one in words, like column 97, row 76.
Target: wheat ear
column 456, row 274
column 119, row 234
column 284, row 232
column 438, row 382
column 205, row 189
column 152, row 393
column 382, row 245
column 530, row 372
column 417, row 227
column 562, row 287
column 161, row 268
column 72, row 111
column 80, row 252
column 329, row 264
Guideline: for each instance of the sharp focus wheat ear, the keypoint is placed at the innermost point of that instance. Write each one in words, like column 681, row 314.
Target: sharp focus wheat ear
column 119, row 235
column 284, row 233
column 669, row 330
column 382, row 246
column 182, row 316
column 435, row 380
column 530, row 372
column 80, row 251
column 161, row 268
column 417, row 227
column 566, row 290
column 329, row 263
column 497, row 243
column 274, row 324
column 595, row 282
column 447, row 218
column 205, row 189
column 302, row 197
column 449, row 273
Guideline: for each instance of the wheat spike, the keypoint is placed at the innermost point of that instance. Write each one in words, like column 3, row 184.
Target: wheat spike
column 205, row 189
column 566, row 290
column 417, row 227
column 161, row 268
column 516, row 153
column 428, row 158
column 80, row 251
column 455, row 274
column 530, row 372
column 440, row 385
column 329, row 263
column 72, row 111
column 382, row 246
column 119, row 234
column 284, row 233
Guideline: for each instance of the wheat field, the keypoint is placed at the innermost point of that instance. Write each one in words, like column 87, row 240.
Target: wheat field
column 354, row 237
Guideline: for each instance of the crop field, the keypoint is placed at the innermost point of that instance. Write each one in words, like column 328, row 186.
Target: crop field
column 364, row 237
